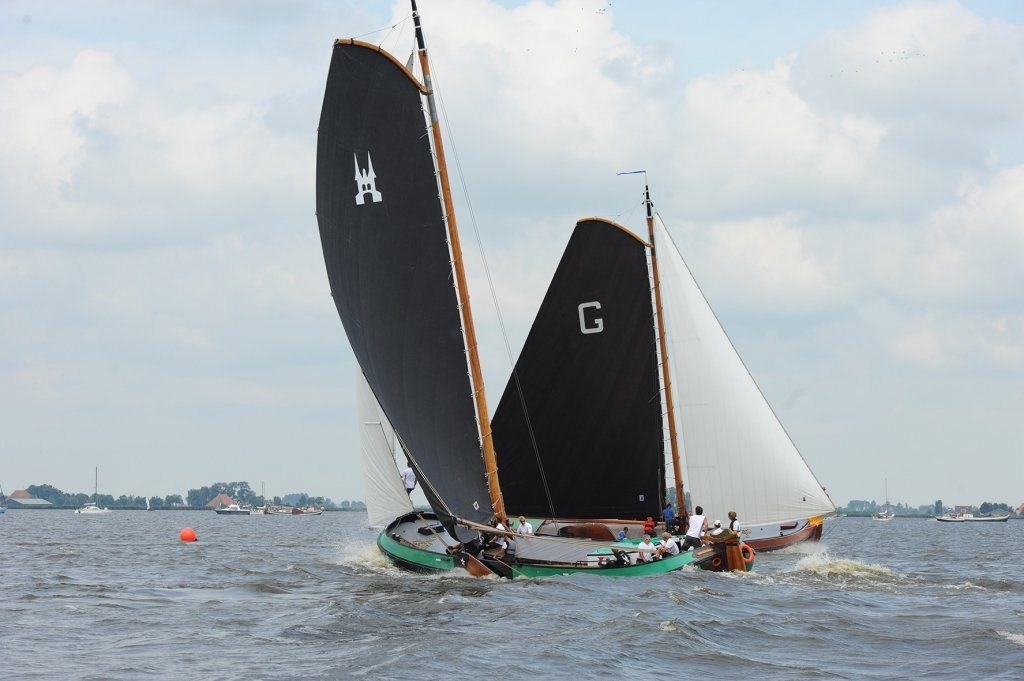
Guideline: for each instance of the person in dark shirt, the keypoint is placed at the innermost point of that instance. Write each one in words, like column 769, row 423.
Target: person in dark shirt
column 669, row 516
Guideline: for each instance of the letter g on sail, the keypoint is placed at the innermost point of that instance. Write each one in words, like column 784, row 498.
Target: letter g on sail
column 366, row 181
column 598, row 325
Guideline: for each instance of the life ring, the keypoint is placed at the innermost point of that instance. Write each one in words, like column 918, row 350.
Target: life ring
column 716, row 562
column 747, row 553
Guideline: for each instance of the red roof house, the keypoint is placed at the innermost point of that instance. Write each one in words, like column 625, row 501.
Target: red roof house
column 220, row 500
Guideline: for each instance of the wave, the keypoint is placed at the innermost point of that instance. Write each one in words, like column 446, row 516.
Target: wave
column 368, row 557
column 963, row 587
column 1015, row 638
column 844, row 572
column 804, row 548
column 265, row 587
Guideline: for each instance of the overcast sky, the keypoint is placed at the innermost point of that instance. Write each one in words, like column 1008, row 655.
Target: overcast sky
column 846, row 181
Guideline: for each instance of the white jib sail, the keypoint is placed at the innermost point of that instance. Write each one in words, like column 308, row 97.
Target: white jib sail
column 386, row 498
column 738, row 456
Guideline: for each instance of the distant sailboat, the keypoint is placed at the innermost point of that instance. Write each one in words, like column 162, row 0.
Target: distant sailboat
column 886, row 512
column 90, row 507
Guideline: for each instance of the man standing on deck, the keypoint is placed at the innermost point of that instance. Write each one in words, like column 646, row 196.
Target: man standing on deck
column 697, row 528
column 669, row 516
column 524, row 526
column 409, row 478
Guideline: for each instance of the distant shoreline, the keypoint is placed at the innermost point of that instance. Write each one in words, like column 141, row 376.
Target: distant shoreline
column 143, row 508
column 865, row 514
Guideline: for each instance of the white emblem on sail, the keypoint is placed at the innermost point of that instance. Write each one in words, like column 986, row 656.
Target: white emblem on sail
column 365, row 181
column 598, row 326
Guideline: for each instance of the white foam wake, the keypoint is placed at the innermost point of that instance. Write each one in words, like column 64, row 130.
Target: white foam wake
column 830, row 567
column 1015, row 638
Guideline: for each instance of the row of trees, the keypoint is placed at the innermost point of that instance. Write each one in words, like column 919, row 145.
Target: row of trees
column 59, row 497
column 937, row 508
column 243, row 493
column 195, row 498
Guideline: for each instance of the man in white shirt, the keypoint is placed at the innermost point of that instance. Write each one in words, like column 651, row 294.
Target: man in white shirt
column 718, row 529
column 409, row 478
column 645, row 550
column 497, row 541
column 524, row 526
column 696, row 530
column 668, row 546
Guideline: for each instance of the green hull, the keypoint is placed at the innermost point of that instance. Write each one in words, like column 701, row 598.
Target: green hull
column 412, row 558
column 653, row 568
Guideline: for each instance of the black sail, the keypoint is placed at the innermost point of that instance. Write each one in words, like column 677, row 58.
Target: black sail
column 589, row 379
column 386, row 250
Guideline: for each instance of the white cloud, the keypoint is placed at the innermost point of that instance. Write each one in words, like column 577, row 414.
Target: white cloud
column 919, row 347
column 961, row 340
column 748, row 140
column 46, row 114
column 920, row 61
column 765, row 264
column 968, row 251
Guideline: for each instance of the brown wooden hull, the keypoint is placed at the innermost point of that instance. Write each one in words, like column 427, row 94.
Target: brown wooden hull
column 810, row 532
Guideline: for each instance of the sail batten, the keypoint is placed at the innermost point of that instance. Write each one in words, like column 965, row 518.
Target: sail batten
column 738, row 455
column 386, row 251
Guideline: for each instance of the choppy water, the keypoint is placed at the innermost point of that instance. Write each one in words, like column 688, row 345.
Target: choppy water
column 119, row 597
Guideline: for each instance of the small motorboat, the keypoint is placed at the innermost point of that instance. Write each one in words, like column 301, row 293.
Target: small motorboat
column 233, row 509
column 971, row 518
column 91, row 508
column 294, row 510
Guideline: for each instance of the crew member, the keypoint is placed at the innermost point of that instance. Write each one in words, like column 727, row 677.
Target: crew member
column 668, row 546
column 497, row 540
column 734, row 523
column 524, row 526
column 409, row 478
column 669, row 516
column 696, row 529
column 645, row 550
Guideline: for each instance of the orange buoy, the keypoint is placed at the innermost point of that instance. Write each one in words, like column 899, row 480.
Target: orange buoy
column 188, row 534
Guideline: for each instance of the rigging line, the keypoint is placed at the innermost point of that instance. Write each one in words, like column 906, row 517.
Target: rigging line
column 631, row 210
column 494, row 297
column 383, row 28
column 401, row 26
column 422, row 476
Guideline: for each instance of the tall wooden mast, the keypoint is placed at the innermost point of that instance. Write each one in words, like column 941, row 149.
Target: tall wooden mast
column 476, row 375
column 665, row 372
